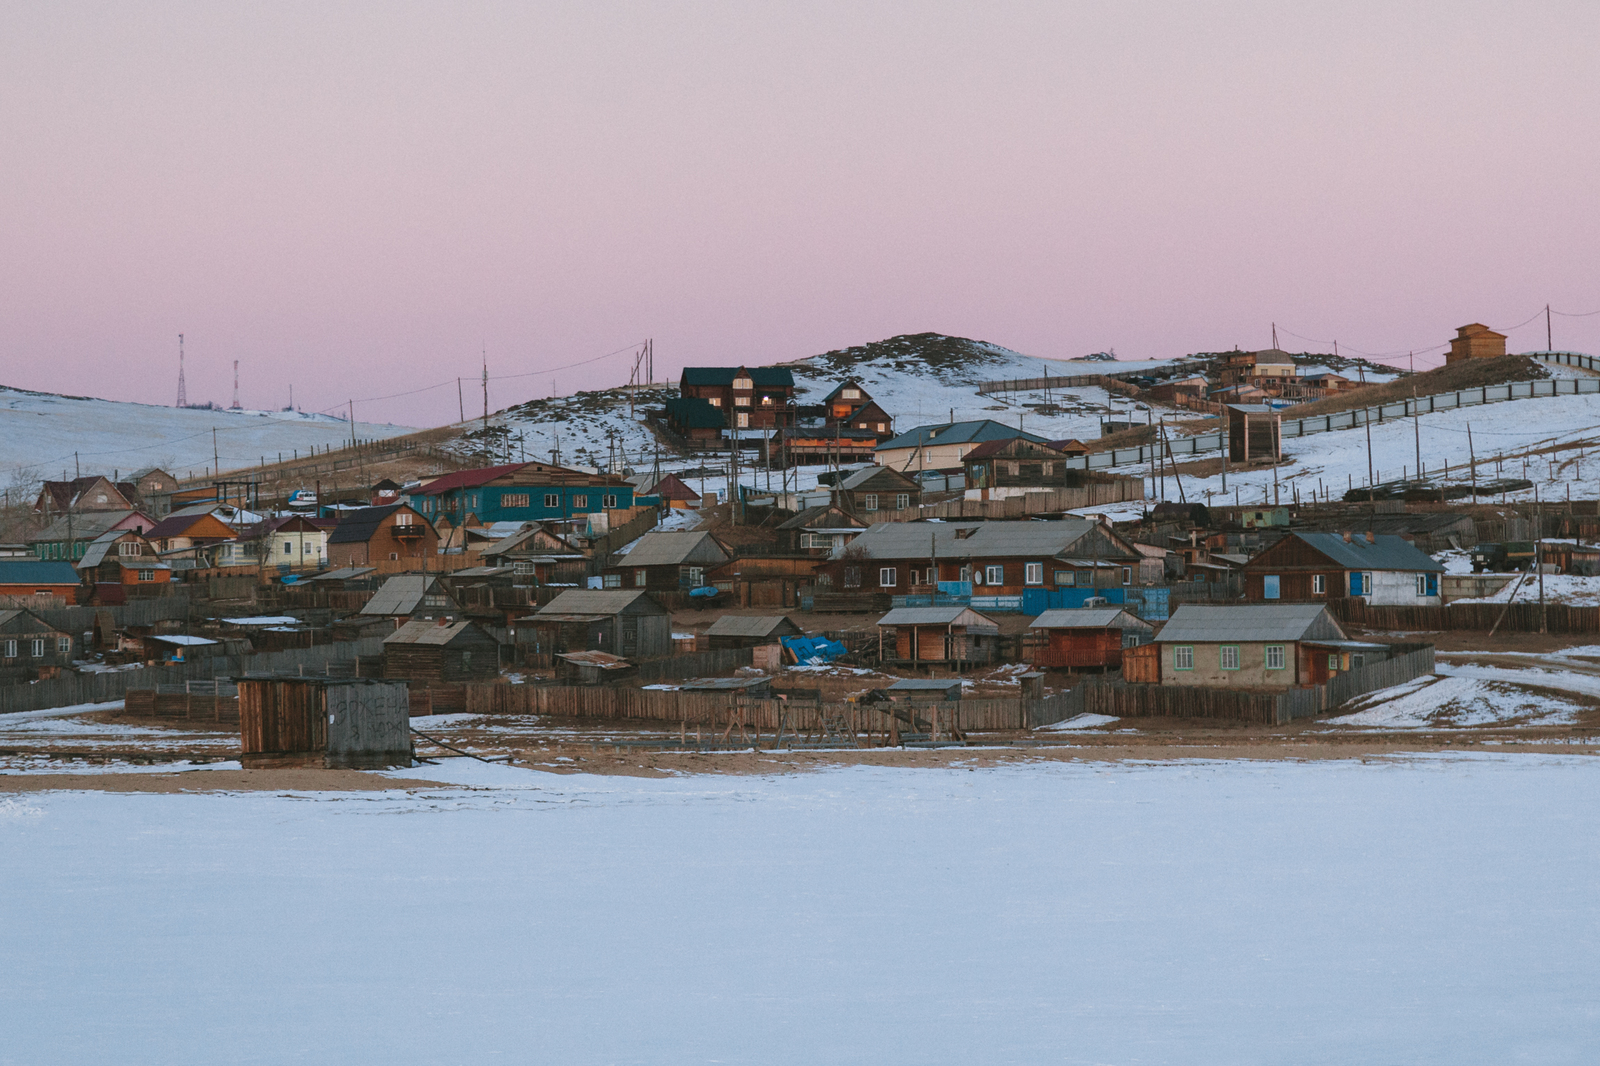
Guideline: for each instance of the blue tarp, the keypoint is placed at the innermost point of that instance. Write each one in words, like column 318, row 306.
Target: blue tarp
column 808, row 648
column 705, row 591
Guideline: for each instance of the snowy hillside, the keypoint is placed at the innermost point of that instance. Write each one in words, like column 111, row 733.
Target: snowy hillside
column 40, row 432
column 917, row 379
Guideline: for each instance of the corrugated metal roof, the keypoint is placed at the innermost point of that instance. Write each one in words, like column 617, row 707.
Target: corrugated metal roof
column 466, row 479
column 1209, row 624
column 399, row 595
column 957, row 433
column 358, row 526
column 1088, row 618
column 426, row 632
column 1387, row 552
column 36, row 572
column 756, row 626
column 86, row 525
column 603, row 659
column 925, row 684
column 343, row 573
column 595, row 602
column 933, row 616
column 762, row 377
column 675, row 549
column 867, row 473
column 9, row 616
column 911, row 540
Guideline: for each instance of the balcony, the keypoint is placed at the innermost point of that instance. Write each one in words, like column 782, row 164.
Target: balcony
column 408, row 532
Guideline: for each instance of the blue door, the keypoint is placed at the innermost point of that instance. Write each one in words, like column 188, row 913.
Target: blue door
column 1269, row 586
column 1355, row 582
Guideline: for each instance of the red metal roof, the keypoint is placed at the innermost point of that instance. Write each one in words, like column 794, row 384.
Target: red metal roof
column 468, row 479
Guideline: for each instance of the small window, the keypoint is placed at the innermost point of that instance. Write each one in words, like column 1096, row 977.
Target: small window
column 766, row 401
column 744, row 420
column 147, row 575
column 1422, row 584
column 1319, row 584
column 288, row 547
column 887, row 577
column 552, row 499
column 1333, row 661
column 743, row 383
column 609, row 501
column 994, row 575
column 64, row 645
column 1366, row 583
column 1275, row 657
column 852, row 577
column 11, row 649
column 902, row 500
column 514, row 499
column 882, row 428
column 741, row 401
column 1183, row 657
column 1228, row 657
column 641, row 578
column 580, row 503
column 393, row 556
column 869, row 502
column 611, row 581
column 851, row 394
column 1066, row 578
column 1033, row 573
column 1127, row 575
column 38, row 647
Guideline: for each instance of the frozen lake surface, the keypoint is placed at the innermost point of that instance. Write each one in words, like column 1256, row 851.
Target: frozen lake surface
column 1431, row 909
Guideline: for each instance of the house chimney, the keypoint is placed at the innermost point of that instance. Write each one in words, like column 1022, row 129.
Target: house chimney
column 1371, row 539
column 1347, row 537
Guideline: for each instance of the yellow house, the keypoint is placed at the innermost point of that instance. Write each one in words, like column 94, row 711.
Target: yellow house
column 293, row 542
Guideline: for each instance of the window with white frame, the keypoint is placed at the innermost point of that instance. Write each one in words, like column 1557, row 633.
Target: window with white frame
column 994, row 575
column 609, row 501
column 1033, row 573
column 130, row 547
column 887, row 577
column 813, row 540
column 514, row 499
column 580, row 503
column 743, row 383
column 611, row 581
column 641, row 578
column 147, row 575
column 1275, row 657
column 38, row 647
column 1366, row 583
column 741, row 401
column 64, row 645
column 1228, row 657
column 1422, row 584
column 552, row 499
column 1183, row 657
column 11, row 649
column 1319, row 584
column 902, row 500
column 1127, row 575
column 869, row 502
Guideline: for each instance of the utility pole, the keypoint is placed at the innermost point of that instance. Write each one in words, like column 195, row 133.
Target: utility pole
column 1472, row 458
column 1274, row 335
column 461, row 404
column 1549, row 344
column 216, row 461
column 1538, row 558
column 352, row 423
column 1370, row 487
column 236, row 385
column 183, row 394
column 486, row 391
column 1416, row 430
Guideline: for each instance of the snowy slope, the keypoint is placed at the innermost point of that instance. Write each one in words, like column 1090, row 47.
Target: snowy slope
column 1421, row 910
column 40, row 431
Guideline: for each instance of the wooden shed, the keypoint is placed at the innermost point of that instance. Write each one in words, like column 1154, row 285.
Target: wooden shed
column 630, row 624
column 1254, row 433
column 593, row 668
column 441, row 651
column 736, row 631
column 1085, row 638
column 923, row 689
column 938, row 636
column 338, row 723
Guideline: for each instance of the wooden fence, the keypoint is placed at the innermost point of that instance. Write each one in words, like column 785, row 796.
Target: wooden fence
column 76, row 620
column 1094, row 494
column 1122, row 700
column 69, row 690
column 179, row 702
column 720, row 710
column 1519, row 618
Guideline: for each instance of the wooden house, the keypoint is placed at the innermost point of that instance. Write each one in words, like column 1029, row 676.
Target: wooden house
column 954, row 637
column 997, row 558
column 1252, row 647
column 697, row 421
column 32, row 649
column 815, row 445
column 190, row 529
column 819, row 530
column 405, row 597
column 37, row 578
column 867, row 491
column 336, row 723
column 630, row 624
column 943, row 447
column 69, row 536
column 289, row 542
column 1002, row 468
column 757, row 397
column 673, row 493
column 746, row 631
column 391, row 533
column 1181, row 391
column 93, row 492
column 1316, row 567
column 766, row 579
column 122, row 558
column 1085, row 638
column 441, row 651
column 666, row 562
column 520, row 492
column 849, row 406
column 1254, row 433
column 1475, row 341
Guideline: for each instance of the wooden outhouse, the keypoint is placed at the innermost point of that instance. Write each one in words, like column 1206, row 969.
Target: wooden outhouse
column 337, row 723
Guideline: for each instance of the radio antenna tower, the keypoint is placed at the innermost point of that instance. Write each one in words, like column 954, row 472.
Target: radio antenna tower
column 183, row 393
column 236, row 406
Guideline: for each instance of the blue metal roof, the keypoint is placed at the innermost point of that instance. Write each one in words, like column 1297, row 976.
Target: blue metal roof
column 978, row 432
column 36, row 572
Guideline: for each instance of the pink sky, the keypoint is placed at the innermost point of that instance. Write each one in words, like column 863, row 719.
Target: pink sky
column 356, row 198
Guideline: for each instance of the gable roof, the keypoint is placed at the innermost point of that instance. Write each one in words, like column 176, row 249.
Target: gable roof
column 16, row 613
column 96, row 552
column 426, row 632
column 89, row 524
column 1210, row 624
column 957, row 433
column 597, row 603
column 915, row 540
column 1273, row 356
column 997, row 447
column 1088, row 618
column 466, row 479
column 824, row 516
column 36, row 572
column 675, row 549
column 934, row 616
column 671, row 487
column 762, row 377
column 753, row 626
column 357, row 527
column 848, row 383
column 1387, row 552
column 868, row 473
column 179, row 525
column 401, row 594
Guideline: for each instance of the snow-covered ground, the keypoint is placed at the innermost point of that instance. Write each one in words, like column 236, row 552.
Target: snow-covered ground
column 1467, row 695
column 1418, row 910
column 1337, row 460
column 40, row 432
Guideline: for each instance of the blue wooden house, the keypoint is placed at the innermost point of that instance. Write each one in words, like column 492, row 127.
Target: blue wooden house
column 520, row 492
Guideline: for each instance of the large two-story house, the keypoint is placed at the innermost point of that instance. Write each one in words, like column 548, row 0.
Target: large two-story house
column 757, row 397
column 520, row 492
